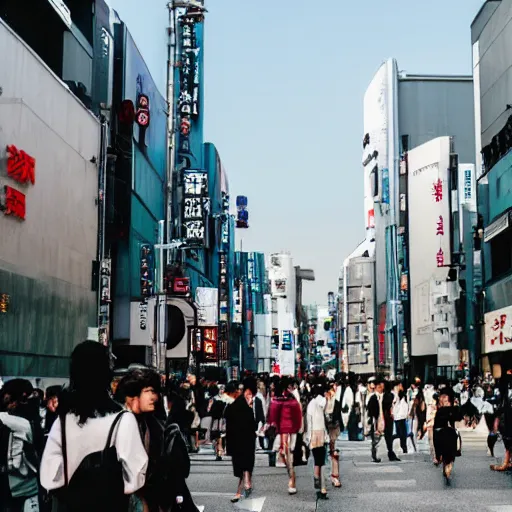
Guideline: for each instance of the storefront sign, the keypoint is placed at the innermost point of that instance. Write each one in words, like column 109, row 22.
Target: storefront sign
column 143, row 315
column 498, row 330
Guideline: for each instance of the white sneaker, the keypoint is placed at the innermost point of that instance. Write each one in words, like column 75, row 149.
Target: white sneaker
column 280, row 464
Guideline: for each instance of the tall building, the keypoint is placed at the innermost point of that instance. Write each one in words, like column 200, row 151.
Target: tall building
column 402, row 112
column 491, row 34
column 284, row 325
column 51, row 158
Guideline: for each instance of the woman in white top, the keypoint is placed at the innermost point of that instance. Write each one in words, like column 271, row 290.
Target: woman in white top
column 89, row 413
column 317, row 437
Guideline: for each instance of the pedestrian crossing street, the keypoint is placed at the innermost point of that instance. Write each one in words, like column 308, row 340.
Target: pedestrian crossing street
column 413, row 484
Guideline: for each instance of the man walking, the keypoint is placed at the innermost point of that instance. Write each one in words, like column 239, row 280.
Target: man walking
column 381, row 416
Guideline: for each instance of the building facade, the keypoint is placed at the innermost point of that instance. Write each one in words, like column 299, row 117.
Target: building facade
column 402, row 112
column 49, row 168
column 491, row 32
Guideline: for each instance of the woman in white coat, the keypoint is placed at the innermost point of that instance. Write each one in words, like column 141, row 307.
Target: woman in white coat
column 89, row 413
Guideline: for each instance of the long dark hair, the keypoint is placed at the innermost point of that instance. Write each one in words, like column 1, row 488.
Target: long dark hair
column 90, row 377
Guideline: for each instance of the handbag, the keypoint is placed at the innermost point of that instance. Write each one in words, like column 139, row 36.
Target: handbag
column 301, row 452
column 97, row 484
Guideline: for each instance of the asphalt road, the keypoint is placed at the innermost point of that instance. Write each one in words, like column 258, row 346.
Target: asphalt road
column 413, row 484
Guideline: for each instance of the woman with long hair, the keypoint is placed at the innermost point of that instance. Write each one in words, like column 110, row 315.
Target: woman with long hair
column 87, row 418
column 285, row 415
column 446, row 437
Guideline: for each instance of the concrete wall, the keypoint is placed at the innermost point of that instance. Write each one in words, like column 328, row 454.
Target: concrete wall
column 46, row 260
column 431, row 108
column 493, row 30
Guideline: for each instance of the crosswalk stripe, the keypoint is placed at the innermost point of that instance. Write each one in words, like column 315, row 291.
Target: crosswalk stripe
column 399, row 484
column 377, row 468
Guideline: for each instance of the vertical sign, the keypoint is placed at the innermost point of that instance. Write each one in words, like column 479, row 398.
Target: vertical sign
column 195, row 205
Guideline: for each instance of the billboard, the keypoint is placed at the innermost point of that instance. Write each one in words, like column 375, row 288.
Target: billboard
column 467, row 186
column 429, row 235
column 498, row 330
column 378, row 141
column 207, row 306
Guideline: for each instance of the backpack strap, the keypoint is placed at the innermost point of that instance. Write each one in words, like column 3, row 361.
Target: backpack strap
column 111, row 431
column 64, row 448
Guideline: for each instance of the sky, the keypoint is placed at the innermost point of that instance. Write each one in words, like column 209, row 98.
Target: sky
column 284, row 88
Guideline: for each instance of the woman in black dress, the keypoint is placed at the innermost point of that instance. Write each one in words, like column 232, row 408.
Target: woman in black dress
column 446, row 437
column 241, row 429
column 503, row 422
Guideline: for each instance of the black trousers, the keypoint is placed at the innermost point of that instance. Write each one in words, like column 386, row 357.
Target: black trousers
column 401, row 433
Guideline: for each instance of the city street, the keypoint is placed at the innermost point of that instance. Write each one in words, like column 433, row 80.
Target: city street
column 413, row 484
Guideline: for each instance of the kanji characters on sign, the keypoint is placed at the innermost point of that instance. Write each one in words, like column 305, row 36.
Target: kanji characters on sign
column 440, row 258
column 20, row 165
column 498, row 326
column 440, row 226
column 14, row 203
column 437, row 190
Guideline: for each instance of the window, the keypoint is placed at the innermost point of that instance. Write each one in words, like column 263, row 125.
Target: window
column 501, row 254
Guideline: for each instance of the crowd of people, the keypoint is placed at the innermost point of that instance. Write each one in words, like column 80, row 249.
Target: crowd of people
column 129, row 439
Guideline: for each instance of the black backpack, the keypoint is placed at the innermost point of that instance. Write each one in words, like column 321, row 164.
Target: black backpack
column 97, row 485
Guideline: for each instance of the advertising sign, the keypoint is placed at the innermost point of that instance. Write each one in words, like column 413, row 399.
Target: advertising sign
column 467, row 186
column 429, row 234
column 287, row 354
column 207, row 306
column 498, row 330
column 195, row 205
column 189, row 72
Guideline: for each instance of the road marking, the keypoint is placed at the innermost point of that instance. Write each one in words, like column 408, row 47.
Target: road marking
column 500, row 508
column 251, row 505
column 400, row 484
column 379, row 469
column 205, row 494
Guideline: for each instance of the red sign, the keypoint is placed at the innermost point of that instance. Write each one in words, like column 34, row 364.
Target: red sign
column 381, row 336
column 498, row 326
column 437, row 190
column 14, row 203
column 440, row 258
column 210, row 343
column 20, row 166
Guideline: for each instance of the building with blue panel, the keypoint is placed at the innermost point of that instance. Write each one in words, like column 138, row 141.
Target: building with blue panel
column 137, row 196
column 491, row 34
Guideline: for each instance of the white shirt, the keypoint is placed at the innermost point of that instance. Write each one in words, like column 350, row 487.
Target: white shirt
column 89, row 438
column 400, row 409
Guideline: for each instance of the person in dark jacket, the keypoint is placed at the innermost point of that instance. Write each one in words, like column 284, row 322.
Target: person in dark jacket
column 446, row 437
column 176, row 459
column 241, row 437
column 140, row 388
column 380, row 411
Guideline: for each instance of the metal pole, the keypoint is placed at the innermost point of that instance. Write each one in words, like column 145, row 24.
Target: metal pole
column 171, row 121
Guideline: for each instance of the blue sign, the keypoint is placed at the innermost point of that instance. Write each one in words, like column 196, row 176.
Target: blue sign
column 385, row 186
column 287, row 343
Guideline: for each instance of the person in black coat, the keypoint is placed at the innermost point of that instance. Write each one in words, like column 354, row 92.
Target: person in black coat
column 446, row 438
column 380, row 411
column 241, row 429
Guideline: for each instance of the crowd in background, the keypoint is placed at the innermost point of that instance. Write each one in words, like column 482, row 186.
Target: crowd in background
column 129, row 438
